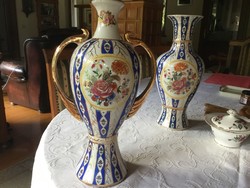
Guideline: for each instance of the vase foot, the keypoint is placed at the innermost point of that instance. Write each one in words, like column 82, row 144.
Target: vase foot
column 102, row 163
column 173, row 119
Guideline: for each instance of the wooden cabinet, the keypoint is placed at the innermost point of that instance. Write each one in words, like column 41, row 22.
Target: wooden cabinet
column 143, row 18
column 47, row 15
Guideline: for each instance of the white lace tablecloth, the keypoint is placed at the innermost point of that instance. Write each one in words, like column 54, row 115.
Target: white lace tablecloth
column 155, row 156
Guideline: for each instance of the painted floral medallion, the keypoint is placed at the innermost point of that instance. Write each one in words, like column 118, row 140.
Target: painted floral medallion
column 106, row 82
column 179, row 78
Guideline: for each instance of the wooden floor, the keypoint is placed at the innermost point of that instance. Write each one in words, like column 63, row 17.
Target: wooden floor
column 27, row 127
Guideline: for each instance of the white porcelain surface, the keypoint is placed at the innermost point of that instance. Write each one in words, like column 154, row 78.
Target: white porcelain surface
column 178, row 75
column 231, row 122
column 228, row 130
column 104, row 74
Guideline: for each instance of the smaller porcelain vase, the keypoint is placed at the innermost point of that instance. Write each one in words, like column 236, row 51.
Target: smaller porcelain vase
column 104, row 73
column 179, row 71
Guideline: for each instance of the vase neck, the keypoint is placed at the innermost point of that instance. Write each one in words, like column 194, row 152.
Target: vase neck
column 183, row 26
column 107, row 11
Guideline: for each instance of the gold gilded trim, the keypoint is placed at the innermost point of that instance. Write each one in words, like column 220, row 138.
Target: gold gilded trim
column 173, row 108
column 98, row 140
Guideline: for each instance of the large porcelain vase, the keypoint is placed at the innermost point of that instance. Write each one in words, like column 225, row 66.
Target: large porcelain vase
column 104, row 74
column 179, row 71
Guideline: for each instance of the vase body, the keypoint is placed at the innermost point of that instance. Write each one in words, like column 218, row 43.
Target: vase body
column 179, row 71
column 104, row 76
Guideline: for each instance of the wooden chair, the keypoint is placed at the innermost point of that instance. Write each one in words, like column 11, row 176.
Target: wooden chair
column 56, row 103
column 26, row 83
column 238, row 58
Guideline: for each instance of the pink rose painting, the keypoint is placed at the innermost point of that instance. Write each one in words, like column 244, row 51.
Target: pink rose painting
column 107, row 18
column 178, row 85
column 105, row 83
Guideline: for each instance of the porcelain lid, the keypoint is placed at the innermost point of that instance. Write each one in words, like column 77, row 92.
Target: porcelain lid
column 231, row 121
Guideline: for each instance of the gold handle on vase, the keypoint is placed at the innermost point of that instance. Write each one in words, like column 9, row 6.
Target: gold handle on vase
column 68, row 102
column 141, row 98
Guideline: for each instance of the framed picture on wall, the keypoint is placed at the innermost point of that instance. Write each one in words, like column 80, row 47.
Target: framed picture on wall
column 184, row 2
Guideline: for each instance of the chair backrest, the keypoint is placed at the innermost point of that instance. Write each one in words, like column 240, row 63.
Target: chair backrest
column 56, row 104
column 238, row 58
column 33, row 49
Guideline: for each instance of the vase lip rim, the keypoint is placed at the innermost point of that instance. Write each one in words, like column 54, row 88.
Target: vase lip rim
column 106, row 1
column 185, row 15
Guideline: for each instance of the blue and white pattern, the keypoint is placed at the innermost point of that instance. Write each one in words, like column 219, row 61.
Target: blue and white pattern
column 178, row 73
column 117, row 64
column 106, row 160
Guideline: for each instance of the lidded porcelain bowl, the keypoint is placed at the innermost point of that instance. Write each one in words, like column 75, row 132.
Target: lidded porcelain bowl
column 229, row 129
